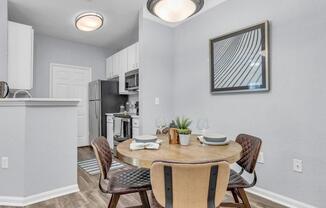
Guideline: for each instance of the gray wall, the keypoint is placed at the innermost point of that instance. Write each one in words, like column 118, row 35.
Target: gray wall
column 37, row 163
column 290, row 118
column 3, row 40
column 156, row 64
column 52, row 50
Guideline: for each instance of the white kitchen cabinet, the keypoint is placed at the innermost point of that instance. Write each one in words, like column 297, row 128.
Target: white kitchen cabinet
column 20, row 56
column 133, row 57
column 116, row 65
column 123, row 69
column 109, row 130
column 120, row 63
column 109, row 67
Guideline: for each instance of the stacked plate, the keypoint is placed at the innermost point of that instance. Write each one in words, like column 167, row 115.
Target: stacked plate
column 145, row 138
column 215, row 139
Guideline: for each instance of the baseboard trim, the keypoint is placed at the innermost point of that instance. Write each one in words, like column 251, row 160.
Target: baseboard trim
column 25, row 201
column 277, row 198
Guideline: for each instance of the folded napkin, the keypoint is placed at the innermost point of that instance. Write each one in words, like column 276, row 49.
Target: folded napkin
column 139, row 146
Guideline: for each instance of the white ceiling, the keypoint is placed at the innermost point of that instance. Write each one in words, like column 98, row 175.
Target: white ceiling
column 56, row 18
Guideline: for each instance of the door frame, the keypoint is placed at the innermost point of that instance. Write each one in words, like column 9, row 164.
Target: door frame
column 89, row 69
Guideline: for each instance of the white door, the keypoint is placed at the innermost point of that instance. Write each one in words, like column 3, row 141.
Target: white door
column 72, row 82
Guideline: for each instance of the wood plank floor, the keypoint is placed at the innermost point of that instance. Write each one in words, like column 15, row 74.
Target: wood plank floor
column 91, row 197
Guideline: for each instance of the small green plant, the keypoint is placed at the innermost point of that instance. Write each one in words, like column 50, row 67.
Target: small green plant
column 182, row 124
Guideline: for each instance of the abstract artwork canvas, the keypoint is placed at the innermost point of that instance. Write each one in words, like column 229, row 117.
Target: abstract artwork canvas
column 239, row 61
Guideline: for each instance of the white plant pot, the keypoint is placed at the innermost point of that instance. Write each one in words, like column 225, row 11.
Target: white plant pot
column 184, row 139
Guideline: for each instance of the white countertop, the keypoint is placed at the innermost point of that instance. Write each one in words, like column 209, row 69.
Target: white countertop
column 38, row 102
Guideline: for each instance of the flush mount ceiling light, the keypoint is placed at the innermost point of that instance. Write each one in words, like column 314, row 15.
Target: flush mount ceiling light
column 89, row 21
column 174, row 10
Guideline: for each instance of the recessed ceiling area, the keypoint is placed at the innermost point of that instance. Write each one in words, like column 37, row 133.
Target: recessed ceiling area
column 56, row 19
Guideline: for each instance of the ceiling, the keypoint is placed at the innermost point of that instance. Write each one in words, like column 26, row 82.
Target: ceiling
column 56, row 18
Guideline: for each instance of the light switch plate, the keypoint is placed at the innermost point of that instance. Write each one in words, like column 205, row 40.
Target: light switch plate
column 4, row 162
column 297, row 165
column 157, row 101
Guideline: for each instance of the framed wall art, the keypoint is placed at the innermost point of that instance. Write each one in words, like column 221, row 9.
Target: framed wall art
column 239, row 61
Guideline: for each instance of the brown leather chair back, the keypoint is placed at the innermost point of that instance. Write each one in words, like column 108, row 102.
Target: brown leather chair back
column 250, row 151
column 103, row 155
column 181, row 185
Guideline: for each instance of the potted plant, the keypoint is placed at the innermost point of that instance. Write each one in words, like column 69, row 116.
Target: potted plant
column 182, row 124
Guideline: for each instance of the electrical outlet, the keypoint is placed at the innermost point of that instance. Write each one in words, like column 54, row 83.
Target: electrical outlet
column 297, row 165
column 157, row 101
column 4, row 162
column 261, row 158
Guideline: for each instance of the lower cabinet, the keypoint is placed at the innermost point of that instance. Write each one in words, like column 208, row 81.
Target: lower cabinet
column 109, row 126
column 135, row 127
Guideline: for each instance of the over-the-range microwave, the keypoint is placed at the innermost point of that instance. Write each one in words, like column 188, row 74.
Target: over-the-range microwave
column 132, row 80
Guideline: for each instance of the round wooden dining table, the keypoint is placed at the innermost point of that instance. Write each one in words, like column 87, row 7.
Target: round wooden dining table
column 193, row 153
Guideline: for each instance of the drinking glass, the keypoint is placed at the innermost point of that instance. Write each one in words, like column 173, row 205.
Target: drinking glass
column 161, row 123
column 202, row 125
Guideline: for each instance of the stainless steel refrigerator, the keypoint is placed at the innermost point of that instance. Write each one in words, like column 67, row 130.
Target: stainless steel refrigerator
column 103, row 98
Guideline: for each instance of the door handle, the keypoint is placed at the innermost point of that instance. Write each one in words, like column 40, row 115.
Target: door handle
column 96, row 112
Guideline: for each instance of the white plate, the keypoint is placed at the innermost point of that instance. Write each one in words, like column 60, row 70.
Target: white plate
column 214, row 135
column 145, row 138
column 227, row 141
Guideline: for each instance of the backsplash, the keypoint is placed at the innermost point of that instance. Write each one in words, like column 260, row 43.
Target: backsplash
column 133, row 98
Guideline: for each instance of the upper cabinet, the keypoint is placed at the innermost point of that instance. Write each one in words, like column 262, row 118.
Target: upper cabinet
column 120, row 63
column 133, row 57
column 20, row 56
column 123, row 70
column 116, row 65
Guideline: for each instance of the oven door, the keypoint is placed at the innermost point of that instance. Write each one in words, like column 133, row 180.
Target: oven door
column 122, row 129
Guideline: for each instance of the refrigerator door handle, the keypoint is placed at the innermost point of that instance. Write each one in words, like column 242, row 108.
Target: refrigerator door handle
column 96, row 115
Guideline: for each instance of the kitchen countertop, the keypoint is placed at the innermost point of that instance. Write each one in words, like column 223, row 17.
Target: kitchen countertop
column 38, row 102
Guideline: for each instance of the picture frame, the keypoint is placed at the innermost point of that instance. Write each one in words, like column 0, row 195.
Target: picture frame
column 239, row 61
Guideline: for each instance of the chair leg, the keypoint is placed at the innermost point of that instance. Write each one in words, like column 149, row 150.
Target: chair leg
column 244, row 198
column 114, row 201
column 144, row 199
column 235, row 196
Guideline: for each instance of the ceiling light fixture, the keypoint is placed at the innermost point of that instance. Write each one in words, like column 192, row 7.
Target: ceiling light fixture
column 89, row 21
column 174, row 10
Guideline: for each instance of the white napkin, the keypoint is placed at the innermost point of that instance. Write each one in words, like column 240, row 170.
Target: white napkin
column 139, row 146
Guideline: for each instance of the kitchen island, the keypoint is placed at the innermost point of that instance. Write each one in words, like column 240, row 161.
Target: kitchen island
column 38, row 149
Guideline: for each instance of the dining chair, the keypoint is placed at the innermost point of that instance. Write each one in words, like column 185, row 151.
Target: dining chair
column 250, row 151
column 122, row 182
column 184, row 185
